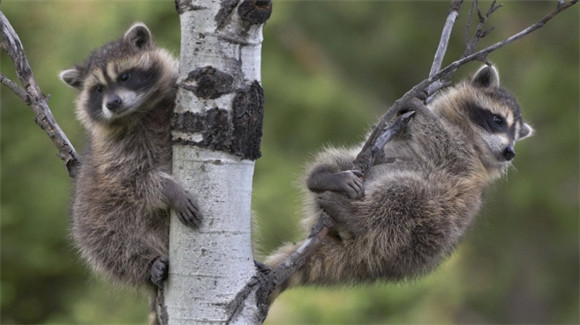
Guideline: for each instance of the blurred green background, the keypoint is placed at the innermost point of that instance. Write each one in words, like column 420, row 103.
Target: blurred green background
column 329, row 70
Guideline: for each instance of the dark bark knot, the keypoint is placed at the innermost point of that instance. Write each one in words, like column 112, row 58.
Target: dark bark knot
column 208, row 82
column 255, row 12
column 238, row 132
column 248, row 114
column 225, row 12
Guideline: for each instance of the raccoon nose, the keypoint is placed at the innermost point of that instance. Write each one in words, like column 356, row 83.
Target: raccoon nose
column 114, row 102
column 509, row 153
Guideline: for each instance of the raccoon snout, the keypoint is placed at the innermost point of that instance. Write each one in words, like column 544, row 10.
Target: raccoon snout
column 509, row 153
column 114, row 102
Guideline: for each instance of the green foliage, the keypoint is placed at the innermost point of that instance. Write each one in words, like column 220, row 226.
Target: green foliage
column 329, row 71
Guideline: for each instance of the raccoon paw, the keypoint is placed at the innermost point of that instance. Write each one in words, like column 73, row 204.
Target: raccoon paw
column 351, row 183
column 187, row 212
column 159, row 270
column 180, row 201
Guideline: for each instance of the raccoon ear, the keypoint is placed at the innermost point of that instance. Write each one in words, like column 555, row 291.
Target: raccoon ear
column 487, row 76
column 525, row 131
column 138, row 36
column 71, row 77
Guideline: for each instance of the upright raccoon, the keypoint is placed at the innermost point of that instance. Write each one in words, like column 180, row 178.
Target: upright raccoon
column 416, row 203
column 122, row 195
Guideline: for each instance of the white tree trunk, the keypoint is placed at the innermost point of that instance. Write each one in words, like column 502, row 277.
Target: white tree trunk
column 217, row 130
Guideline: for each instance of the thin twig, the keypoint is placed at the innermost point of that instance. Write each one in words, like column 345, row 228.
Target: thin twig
column 468, row 24
column 16, row 89
column 479, row 31
column 31, row 95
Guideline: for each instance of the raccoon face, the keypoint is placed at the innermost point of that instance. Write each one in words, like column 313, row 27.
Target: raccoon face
column 498, row 131
column 496, row 118
column 118, row 90
column 125, row 76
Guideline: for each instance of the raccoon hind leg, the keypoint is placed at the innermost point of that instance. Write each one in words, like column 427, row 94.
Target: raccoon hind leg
column 339, row 208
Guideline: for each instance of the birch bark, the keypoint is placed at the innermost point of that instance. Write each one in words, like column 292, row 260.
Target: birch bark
column 217, row 127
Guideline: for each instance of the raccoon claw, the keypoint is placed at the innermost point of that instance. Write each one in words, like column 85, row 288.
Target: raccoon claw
column 159, row 271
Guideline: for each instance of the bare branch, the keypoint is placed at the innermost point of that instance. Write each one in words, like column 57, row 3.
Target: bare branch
column 454, row 8
column 33, row 97
column 445, row 35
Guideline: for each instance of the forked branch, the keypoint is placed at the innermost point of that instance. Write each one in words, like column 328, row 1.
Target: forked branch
column 32, row 96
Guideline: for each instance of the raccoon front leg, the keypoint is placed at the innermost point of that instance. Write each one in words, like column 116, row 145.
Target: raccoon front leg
column 180, row 201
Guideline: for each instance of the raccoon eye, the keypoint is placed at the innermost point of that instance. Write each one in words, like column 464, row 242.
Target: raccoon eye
column 498, row 120
column 125, row 76
column 99, row 88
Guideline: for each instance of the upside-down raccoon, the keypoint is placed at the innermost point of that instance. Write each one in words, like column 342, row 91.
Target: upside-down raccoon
column 415, row 204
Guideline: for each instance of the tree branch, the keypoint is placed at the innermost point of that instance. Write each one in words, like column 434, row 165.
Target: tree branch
column 33, row 97
column 445, row 35
column 479, row 32
column 366, row 156
column 454, row 8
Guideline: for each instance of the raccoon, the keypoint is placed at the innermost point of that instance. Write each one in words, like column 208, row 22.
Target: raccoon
column 123, row 192
column 417, row 201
